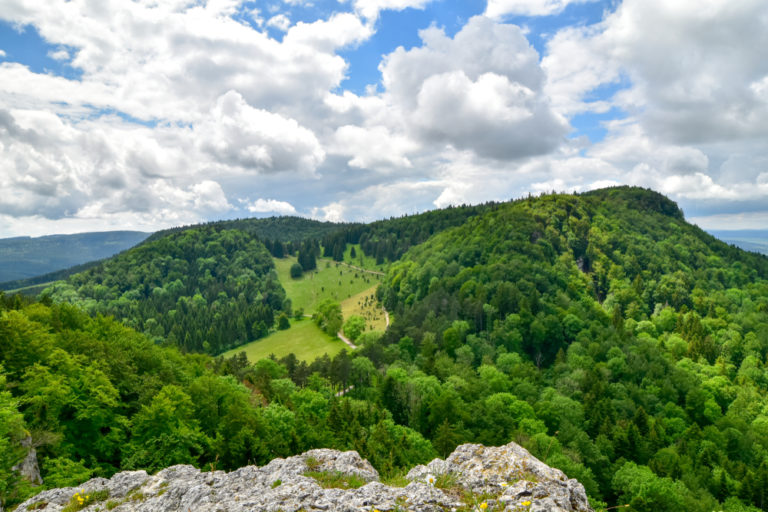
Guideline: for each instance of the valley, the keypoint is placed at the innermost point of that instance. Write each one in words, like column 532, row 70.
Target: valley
column 601, row 331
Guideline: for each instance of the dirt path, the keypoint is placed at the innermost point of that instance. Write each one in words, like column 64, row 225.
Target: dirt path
column 345, row 391
column 346, row 340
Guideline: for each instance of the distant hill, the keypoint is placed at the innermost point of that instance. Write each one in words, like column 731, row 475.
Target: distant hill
column 755, row 240
column 25, row 257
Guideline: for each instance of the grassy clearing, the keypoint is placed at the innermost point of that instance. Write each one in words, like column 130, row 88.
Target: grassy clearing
column 329, row 281
column 30, row 291
column 366, row 262
column 304, row 339
column 365, row 305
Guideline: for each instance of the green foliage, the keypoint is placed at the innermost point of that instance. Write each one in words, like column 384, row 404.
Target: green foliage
column 99, row 397
column 202, row 289
column 296, row 271
column 63, row 472
column 335, row 480
column 354, row 327
column 12, row 432
column 328, row 317
column 601, row 331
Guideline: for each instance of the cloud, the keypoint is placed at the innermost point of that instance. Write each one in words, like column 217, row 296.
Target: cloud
column 500, row 8
column 60, row 54
column 280, row 22
column 698, row 77
column 371, row 8
column 339, row 31
column 2, row 54
column 257, row 140
column 373, row 147
column 492, row 116
column 271, row 206
column 481, row 90
column 333, row 212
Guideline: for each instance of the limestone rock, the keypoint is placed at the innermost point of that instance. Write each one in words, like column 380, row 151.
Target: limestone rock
column 28, row 467
column 509, row 474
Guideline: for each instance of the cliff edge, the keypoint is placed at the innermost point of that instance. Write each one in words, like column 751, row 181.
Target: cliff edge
column 505, row 478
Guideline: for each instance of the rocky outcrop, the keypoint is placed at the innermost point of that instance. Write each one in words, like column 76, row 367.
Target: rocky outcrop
column 504, row 478
column 28, row 467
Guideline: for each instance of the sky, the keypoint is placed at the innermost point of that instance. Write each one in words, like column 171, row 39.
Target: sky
column 147, row 114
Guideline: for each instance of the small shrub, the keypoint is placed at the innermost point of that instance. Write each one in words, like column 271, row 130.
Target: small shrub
column 335, row 480
column 312, row 463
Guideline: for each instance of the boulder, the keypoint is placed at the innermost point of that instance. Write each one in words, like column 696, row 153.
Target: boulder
column 506, row 478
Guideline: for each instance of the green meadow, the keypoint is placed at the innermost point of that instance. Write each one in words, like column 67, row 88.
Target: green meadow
column 331, row 280
column 304, row 339
column 365, row 305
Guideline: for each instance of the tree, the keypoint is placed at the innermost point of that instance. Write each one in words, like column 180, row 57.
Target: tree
column 296, row 271
column 354, row 327
column 165, row 433
column 11, row 434
column 328, row 317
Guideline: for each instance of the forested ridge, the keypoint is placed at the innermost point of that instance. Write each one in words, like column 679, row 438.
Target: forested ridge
column 620, row 343
column 203, row 289
column 601, row 331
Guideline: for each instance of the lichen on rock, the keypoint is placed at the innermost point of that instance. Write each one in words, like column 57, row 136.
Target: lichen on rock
column 509, row 474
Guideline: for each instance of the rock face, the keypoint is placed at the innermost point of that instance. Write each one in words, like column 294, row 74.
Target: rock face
column 505, row 478
column 28, row 467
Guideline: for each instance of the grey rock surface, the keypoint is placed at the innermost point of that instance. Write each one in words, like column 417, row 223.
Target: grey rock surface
column 28, row 467
column 508, row 477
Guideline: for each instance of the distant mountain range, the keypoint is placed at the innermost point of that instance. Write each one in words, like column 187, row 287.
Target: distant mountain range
column 25, row 257
column 755, row 240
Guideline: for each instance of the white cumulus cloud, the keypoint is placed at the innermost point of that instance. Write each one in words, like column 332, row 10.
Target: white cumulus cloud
column 499, row 8
column 271, row 206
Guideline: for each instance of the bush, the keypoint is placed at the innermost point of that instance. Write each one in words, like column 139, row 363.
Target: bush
column 296, row 271
column 354, row 327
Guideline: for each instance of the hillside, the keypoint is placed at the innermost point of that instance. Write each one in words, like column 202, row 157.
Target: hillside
column 94, row 397
column 601, row 331
column 602, row 325
column 25, row 257
column 282, row 229
column 211, row 287
column 202, row 289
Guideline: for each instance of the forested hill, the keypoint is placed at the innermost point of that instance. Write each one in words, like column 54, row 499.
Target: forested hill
column 601, row 331
column 210, row 287
column 282, row 229
column 617, row 341
column 201, row 288
column 25, row 257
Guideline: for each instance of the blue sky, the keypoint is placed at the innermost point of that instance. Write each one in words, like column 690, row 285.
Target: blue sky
column 143, row 115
